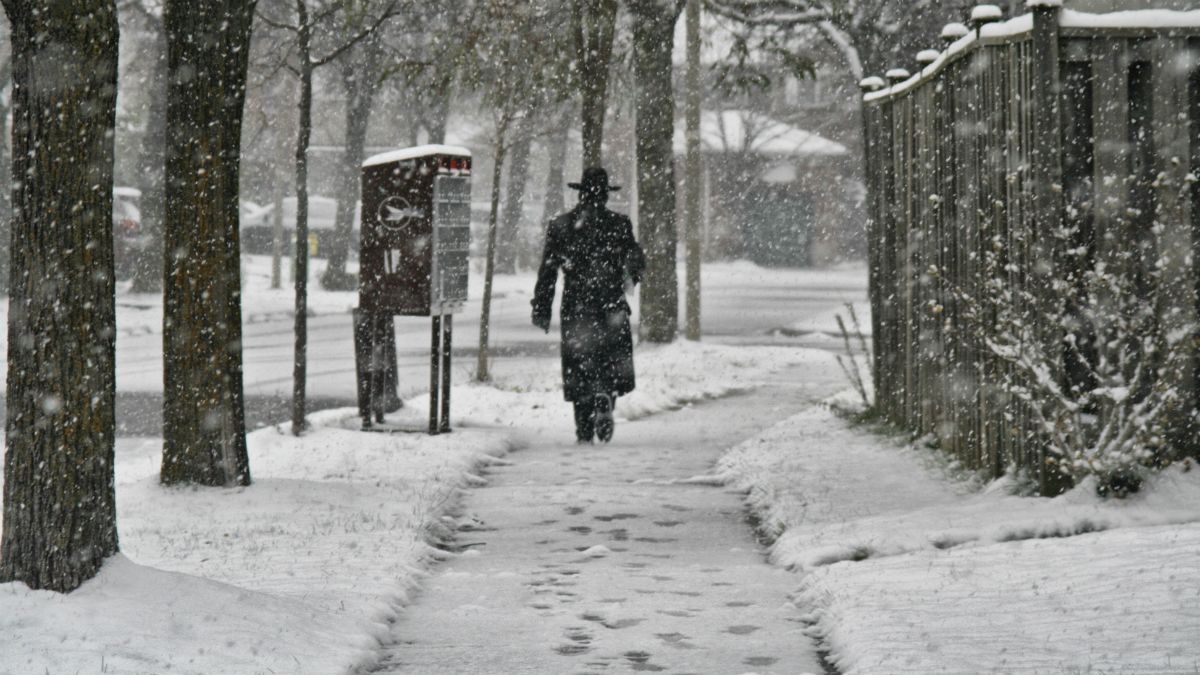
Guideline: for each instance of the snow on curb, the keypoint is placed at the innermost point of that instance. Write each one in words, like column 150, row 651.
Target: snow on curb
column 829, row 492
column 1123, row 601
column 907, row 569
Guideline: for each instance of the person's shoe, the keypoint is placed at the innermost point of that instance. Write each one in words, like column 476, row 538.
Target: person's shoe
column 604, row 417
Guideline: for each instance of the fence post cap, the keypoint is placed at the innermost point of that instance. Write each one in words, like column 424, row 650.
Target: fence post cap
column 986, row 13
column 982, row 15
column 897, row 74
column 873, row 83
column 927, row 56
column 954, row 31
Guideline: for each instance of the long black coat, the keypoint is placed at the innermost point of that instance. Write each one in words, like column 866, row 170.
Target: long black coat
column 596, row 251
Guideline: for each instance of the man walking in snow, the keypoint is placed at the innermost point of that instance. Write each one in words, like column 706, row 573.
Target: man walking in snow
column 600, row 260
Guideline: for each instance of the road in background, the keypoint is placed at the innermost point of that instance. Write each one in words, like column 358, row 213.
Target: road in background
column 741, row 304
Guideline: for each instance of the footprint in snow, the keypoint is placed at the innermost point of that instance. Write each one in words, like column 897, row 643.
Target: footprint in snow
column 616, row 516
column 621, row 623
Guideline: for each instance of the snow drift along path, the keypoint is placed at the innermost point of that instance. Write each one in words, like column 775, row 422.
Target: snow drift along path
column 903, row 569
column 617, row 558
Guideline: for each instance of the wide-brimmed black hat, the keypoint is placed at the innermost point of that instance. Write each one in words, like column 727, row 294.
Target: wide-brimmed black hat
column 595, row 179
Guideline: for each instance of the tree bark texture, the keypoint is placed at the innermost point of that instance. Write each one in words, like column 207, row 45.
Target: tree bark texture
column 204, row 436
column 5, row 176
column 304, row 136
column 482, row 372
column 653, row 38
column 59, row 505
column 509, row 245
column 693, row 171
column 595, row 22
column 358, row 80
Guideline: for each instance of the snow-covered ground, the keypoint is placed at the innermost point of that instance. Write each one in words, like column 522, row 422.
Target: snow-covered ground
column 908, row 566
column 901, row 563
column 300, row 572
column 303, row 570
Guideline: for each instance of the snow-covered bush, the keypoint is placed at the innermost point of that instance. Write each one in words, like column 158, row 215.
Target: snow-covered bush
column 1083, row 352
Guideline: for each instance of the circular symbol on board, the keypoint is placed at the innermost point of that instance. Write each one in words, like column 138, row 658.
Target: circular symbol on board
column 396, row 214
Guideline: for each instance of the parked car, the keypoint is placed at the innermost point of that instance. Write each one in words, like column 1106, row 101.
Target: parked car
column 258, row 226
column 129, row 241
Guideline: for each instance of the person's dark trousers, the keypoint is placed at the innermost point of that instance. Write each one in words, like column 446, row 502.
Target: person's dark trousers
column 585, row 421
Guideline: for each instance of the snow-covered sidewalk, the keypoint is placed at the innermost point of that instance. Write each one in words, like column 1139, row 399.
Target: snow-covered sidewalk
column 625, row 557
column 304, row 571
column 907, row 567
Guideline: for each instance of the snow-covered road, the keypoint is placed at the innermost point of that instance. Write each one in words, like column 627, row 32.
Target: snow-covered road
column 742, row 304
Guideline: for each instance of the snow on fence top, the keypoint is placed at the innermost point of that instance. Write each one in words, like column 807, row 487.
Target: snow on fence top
column 954, row 31
column 872, row 83
column 414, row 152
column 986, row 13
column 1021, row 25
column 1140, row 18
column 926, row 56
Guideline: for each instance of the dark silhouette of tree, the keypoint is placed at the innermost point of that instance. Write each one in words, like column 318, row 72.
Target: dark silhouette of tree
column 59, row 506
column 421, row 51
column 653, row 41
column 317, row 43
column 593, row 23
column 204, row 434
column 519, row 69
column 5, row 153
column 360, row 79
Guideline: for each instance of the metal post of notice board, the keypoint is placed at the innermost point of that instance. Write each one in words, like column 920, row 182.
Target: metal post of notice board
column 435, row 380
column 439, row 373
column 414, row 260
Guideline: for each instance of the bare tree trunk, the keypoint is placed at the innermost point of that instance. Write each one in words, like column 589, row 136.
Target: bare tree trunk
column 482, row 374
column 653, row 37
column 595, row 22
column 692, row 179
column 441, row 112
column 304, row 136
column 556, row 150
column 278, row 245
column 358, row 78
column 5, row 177
column 204, row 429
column 514, row 198
column 59, row 502
column 148, row 271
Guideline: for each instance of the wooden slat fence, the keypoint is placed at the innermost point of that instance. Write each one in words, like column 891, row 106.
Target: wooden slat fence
column 1022, row 127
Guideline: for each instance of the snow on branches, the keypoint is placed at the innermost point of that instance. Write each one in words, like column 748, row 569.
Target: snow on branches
column 1083, row 356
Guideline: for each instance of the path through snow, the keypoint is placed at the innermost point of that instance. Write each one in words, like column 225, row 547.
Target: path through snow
column 608, row 559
